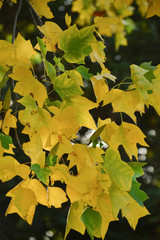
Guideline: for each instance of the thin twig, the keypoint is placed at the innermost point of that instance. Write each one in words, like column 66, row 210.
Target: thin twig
column 15, row 21
column 13, row 85
column 35, row 22
column 35, row 13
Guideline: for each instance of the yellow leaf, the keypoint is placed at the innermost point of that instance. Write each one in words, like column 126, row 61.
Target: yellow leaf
column 34, row 149
column 42, row 8
column 86, row 11
column 52, row 34
column 59, row 173
column 38, row 189
column 106, row 25
column 68, row 20
column 76, row 76
column 129, row 2
column 153, row 8
column 33, row 116
column 10, row 167
column 98, row 54
column 64, row 147
column 120, row 39
column 130, row 208
column 73, row 195
column 82, row 156
column 118, row 98
column 82, row 105
column 89, row 196
column 23, row 203
column 100, row 88
column 84, row 181
column 73, row 219
column 154, row 100
column 142, row 6
column 65, row 122
column 7, row 56
column 105, row 209
column 56, row 196
column 27, row 84
column 9, row 122
column 23, row 52
column 127, row 135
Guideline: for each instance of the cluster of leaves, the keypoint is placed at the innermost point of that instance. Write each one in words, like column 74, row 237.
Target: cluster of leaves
column 112, row 17
column 96, row 181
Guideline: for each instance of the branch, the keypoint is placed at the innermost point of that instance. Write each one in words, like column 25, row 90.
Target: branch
column 13, row 39
column 15, row 21
column 35, row 22
column 35, row 13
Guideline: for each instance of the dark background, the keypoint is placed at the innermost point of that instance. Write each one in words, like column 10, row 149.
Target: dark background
column 143, row 46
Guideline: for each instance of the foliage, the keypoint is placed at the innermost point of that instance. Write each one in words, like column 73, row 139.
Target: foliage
column 97, row 181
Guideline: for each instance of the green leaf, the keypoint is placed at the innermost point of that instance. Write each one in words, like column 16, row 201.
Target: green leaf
column 137, row 193
column 51, row 160
column 28, row 101
column 56, row 103
column 96, row 134
column 43, row 47
column 119, row 171
column 66, row 87
column 35, row 168
column 42, row 173
column 84, row 72
column 4, row 71
column 50, row 69
column 54, row 150
column 138, row 75
column 7, row 100
column 147, row 66
column 93, row 221
column 56, row 60
column 5, row 140
column 75, row 43
column 137, row 168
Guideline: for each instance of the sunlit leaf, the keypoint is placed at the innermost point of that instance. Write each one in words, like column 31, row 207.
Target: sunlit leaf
column 52, row 33
column 56, row 196
column 27, row 84
column 10, row 167
column 23, row 203
column 120, row 172
column 9, row 122
column 71, row 38
column 66, row 86
column 73, row 219
column 130, row 208
column 42, row 8
column 82, row 105
column 153, row 8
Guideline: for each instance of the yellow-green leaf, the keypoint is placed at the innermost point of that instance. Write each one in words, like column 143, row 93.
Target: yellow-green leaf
column 71, row 38
column 120, row 172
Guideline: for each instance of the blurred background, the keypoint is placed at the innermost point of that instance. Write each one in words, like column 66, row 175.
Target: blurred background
column 143, row 46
